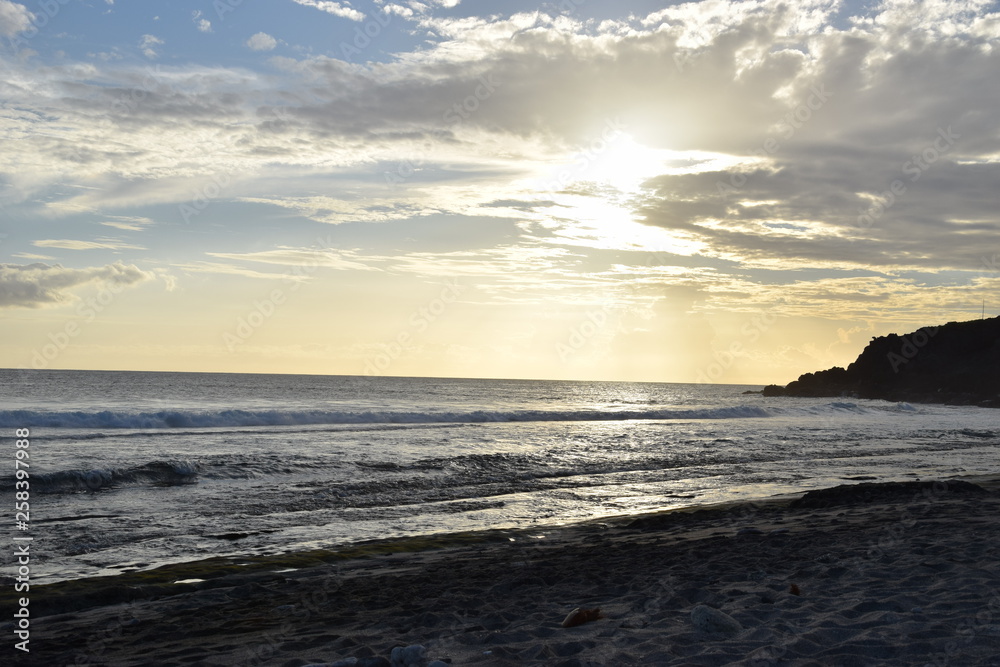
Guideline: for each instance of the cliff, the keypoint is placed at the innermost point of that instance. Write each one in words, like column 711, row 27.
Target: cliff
column 957, row 363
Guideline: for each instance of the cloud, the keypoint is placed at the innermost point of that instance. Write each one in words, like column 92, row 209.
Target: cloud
column 417, row 10
column 128, row 223
column 106, row 56
column 803, row 116
column 399, row 10
column 148, row 44
column 35, row 285
column 231, row 269
column 305, row 259
column 70, row 244
column 262, row 42
column 204, row 25
column 14, row 18
column 341, row 9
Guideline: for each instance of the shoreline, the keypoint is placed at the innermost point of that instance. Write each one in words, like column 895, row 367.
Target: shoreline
column 169, row 571
column 862, row 556
column 222, row 566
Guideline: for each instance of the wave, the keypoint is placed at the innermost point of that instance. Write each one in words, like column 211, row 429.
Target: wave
column 845, row 407
column 303, row 428
column 155, row 473
column 171, row 419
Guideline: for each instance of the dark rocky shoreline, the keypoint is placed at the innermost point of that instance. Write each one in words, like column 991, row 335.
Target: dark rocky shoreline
column 957, row 364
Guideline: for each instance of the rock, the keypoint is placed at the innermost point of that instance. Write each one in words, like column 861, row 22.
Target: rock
column 411, row 656
column 713, row 621
column 346, row 662
column 438, row 663
column 580, row 616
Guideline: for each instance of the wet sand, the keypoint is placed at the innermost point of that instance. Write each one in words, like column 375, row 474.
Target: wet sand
column 871, row 574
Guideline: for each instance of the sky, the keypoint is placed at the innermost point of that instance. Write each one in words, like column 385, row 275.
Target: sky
column 730, row 192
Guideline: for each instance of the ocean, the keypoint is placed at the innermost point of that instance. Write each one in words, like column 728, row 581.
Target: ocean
column 132, row 470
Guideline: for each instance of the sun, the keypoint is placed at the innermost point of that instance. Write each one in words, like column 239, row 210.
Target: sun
column 622, row 163
column 616, row 161
column 591, row 195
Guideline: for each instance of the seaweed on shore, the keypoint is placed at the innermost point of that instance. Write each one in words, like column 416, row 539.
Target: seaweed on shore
column 218, row 572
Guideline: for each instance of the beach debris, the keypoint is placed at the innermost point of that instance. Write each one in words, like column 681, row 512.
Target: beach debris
column 713, row 621
column 410, row 656
column 580, row 616
column 794, row 589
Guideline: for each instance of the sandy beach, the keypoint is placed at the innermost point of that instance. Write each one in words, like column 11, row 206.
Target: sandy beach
column 871, row 574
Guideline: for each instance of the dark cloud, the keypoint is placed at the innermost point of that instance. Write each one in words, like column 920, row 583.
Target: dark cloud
column 34, row 285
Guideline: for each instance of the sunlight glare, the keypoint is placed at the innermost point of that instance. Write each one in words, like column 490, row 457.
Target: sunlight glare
column 624, row 164
column 610, row 225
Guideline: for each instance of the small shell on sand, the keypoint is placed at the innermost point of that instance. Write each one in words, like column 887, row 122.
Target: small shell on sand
column 580, row 616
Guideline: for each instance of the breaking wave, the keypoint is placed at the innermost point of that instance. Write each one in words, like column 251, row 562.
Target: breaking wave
column 168, row 419
column 155, row 473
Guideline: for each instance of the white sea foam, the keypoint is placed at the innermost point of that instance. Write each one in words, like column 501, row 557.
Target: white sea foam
column 172, row 419
column 114, row 419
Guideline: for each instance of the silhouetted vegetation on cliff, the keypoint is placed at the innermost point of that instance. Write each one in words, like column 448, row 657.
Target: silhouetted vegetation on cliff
column 957, row 363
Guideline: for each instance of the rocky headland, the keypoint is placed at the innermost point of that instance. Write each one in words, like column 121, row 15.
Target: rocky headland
column 957, row 363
